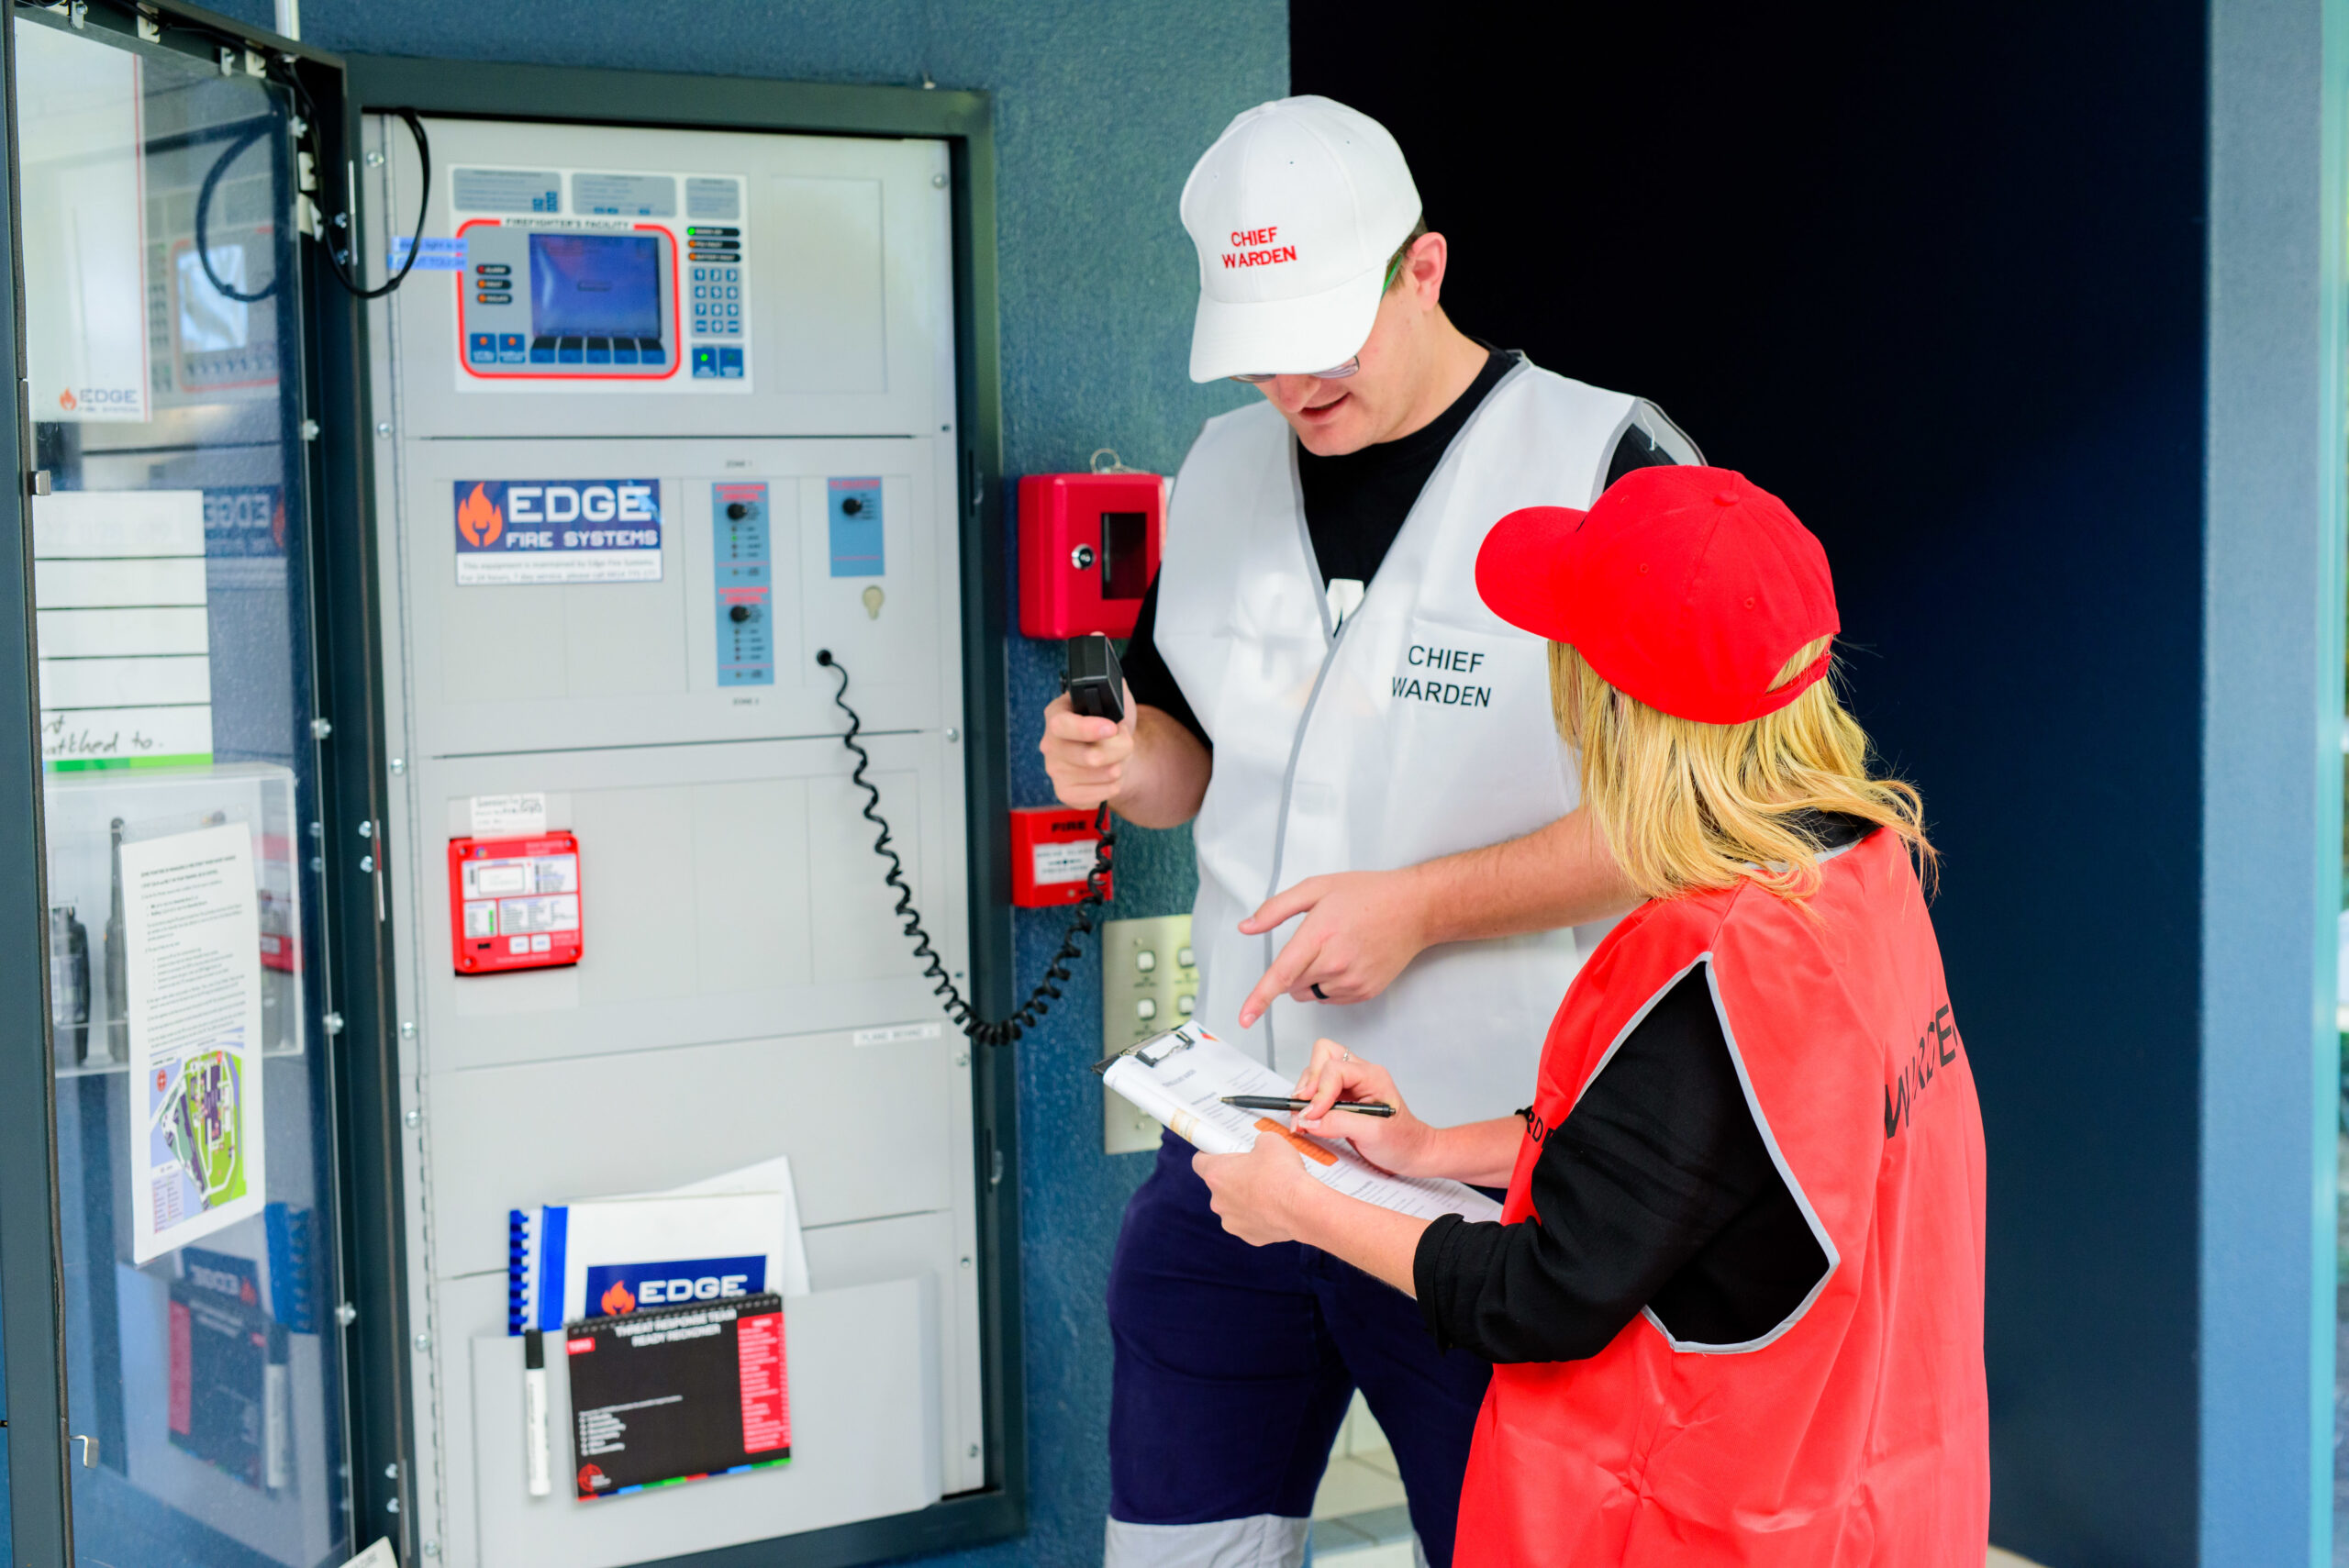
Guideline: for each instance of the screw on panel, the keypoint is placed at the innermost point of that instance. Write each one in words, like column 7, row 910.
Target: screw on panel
column 321, row 729
column 392, row 1471
column 414, row 1119
column 974, row 1451
column 952, row 735
column 398, row 765
column 367, row 864
column 392, row 1506
column 374, row 161
column 966, row 1262
column 407, row 1030
column 334, row 1023
column 424, row 1341
column 433, row 1548
column 384, row 429
column 937, row 182
column 367, row 827
column 345, row 1314
column 309, row 430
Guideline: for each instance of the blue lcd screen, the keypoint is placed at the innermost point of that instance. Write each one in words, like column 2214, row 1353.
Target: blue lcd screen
column 605, row 285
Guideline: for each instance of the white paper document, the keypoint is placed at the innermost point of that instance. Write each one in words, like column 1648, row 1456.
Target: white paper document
column 192, row 929
column 1183, row 1085
column 766, row 1176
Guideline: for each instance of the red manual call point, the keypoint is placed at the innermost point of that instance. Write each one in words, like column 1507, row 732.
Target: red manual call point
column 1052, row 848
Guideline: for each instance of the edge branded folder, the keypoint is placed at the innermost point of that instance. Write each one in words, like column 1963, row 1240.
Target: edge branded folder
column 736, row 1234
column 677, row 1394
column 607, row 1258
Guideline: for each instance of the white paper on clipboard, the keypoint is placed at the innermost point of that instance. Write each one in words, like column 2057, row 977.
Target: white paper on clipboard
column 1184, row 1087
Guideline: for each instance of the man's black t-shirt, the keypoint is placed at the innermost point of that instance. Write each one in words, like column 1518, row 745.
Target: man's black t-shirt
column 1355, row 508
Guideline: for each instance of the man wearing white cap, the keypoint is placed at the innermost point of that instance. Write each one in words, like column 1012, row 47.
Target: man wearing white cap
column 1388, row 844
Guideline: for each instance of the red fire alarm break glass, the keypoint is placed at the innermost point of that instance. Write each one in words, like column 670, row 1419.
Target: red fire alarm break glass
column 1088, row 548
column 1053, row 849
column 514, row 903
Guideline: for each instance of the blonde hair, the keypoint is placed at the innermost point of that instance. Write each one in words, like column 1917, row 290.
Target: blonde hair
column 1688, row 806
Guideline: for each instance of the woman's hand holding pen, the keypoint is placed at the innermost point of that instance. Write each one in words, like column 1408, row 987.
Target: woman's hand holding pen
column 1399, row 1143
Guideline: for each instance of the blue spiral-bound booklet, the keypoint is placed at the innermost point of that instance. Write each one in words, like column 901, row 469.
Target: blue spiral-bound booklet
column 732, row 1235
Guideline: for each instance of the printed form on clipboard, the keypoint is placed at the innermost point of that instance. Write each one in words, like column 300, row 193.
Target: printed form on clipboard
column 1181, row 1077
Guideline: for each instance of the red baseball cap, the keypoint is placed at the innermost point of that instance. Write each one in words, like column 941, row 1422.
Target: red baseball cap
column 1687, row 588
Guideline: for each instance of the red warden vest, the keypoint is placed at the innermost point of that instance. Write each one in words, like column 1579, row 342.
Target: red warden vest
column 1857, row 1431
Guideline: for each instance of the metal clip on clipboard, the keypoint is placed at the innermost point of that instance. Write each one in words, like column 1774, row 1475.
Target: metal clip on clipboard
column 1157, row 1048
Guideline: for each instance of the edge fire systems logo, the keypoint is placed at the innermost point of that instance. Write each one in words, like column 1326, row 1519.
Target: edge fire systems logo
column 515, row 531
column 618, row 1289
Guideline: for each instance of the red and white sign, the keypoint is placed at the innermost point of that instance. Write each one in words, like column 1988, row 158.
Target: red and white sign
column 514, row 903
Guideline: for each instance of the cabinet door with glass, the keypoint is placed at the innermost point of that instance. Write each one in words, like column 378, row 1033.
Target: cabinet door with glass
column 158, row 182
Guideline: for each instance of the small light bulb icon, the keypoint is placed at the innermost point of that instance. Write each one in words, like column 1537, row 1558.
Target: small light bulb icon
column 873, row 597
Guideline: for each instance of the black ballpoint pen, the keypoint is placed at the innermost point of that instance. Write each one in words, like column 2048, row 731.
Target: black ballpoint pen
column 1277, row 1103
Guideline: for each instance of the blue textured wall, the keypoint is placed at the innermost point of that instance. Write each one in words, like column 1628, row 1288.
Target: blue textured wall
column 1100, row 108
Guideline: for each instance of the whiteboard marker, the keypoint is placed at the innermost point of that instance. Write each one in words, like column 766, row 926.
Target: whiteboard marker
column 534, row 1410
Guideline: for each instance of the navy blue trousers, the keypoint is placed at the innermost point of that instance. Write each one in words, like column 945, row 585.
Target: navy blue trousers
column 1235, row 1365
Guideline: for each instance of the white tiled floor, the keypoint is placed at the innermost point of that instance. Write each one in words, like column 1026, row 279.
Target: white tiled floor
column 1358, row 1516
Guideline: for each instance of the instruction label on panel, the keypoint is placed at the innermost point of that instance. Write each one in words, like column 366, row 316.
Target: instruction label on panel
column 192, row 928
column 856, row 528
column 513, row 531
column 508, row 815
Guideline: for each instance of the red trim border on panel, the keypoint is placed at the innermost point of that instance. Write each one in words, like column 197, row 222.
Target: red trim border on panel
column 676, row 321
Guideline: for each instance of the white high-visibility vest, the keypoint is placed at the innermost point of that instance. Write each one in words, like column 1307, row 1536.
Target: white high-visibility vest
column 1418, row 727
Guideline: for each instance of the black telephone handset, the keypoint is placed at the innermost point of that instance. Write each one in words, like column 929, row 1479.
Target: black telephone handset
column 1096, row 686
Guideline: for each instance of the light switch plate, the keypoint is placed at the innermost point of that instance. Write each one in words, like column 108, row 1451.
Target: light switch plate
column 1146, row 989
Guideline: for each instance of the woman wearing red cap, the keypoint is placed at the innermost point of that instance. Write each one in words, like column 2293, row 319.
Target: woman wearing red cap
column 1734, row 1300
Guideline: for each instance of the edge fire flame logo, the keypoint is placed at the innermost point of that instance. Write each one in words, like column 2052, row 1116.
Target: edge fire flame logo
column 479, row 519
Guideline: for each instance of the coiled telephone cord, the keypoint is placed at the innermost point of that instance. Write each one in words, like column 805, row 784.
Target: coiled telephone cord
column 986, row 1032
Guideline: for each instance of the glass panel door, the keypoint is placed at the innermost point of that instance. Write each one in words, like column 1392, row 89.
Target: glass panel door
column 195, row 1138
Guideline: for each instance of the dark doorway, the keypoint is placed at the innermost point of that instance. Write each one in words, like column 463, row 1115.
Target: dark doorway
column 1935, row 276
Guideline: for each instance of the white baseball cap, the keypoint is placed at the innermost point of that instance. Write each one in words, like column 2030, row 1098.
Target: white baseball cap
column 1296, row 211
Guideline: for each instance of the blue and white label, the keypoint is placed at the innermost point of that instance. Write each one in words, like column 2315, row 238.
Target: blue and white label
column 433, row 256
column 515, row 531
column 856, row 537
column 615, row 1290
